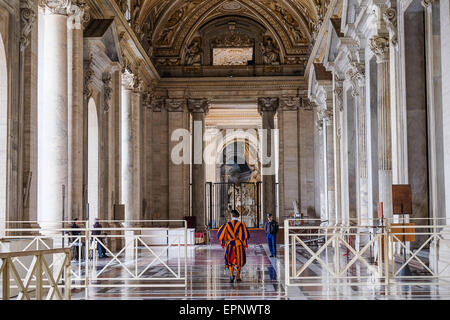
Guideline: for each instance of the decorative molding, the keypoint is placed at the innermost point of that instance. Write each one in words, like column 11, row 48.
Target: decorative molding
column 131, row 81
column 198, row 106
column 390, row 17
column 158, row 104
column 147, row 99
column 88, row 78
column 268, row 105
column 380, row 47
column 356, row 76
column 107, row 91
column 78, row 15
column 292, row 103
column 427, row 3
column 60, row 7
column 338, row 97
column 306, row 104
column 176, row 105
column 27, row 18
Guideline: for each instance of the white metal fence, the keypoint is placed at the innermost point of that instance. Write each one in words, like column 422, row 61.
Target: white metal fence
column 38, row 273
column 131, row 254
column 387, row 252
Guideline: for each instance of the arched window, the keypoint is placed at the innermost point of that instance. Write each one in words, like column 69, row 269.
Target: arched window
column 93, row 161
column 3, row 133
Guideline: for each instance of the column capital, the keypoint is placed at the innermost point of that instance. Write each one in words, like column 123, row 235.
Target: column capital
column 379, row 45
column 291, row 103
column 176, row 105
column 268, row 105
column 198, row 106
column 306, row 104
column 78, row 14
column 147, row 99
column 356, row 76
column 27, row 19
column 130, row 81
column 158, row 104
column 59, row 7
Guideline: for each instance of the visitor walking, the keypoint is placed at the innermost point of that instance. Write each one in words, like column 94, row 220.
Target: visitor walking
column 271, row 229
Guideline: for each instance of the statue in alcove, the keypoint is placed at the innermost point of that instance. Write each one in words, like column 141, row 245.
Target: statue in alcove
column 270, row 52
column 194, row 53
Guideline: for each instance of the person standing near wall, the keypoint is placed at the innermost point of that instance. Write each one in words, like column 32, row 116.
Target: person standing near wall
column 271, row 229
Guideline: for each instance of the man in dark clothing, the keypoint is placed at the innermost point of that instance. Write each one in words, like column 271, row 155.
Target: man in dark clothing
column 100, row 247
column 271, row 229
column 76, row 241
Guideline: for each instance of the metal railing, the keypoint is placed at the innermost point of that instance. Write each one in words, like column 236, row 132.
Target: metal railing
column 387, row 252
column 135, row 253
column 37, row 274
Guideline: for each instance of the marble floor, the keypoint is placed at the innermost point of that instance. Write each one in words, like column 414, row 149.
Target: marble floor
column 263, row 278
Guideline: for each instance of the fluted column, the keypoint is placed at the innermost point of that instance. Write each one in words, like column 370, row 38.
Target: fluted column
column 380, row 46
column 289, row 154
column 128, row 133
column 53, row 144
column 267, row 108
column 76, row 112
column 357, row 80
column 199, row 109
column 337, row 133
column 176, row 109
column 329, row 166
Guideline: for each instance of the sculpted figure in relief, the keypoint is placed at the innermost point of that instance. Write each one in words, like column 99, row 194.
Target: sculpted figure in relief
column 271, row 54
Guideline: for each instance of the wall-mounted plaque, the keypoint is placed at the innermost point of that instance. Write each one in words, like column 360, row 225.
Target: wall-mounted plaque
column 402, row 199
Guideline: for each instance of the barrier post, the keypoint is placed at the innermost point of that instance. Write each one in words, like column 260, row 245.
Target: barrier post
column 286, row 253
column 386, row 250
column 68, row 276
column 5, row 290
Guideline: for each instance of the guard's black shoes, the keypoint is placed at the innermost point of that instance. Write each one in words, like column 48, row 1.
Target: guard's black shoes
column 238, row 280
column 232, row 279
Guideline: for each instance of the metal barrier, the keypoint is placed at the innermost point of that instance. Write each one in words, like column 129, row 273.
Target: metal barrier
column 387, row 253
column 36, row 272
column 138, row 253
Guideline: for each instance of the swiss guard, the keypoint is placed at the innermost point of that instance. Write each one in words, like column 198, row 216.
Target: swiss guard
column 234, row 236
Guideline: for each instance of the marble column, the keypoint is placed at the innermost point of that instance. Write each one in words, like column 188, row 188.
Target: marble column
column 320, row 165
column 199, row 109
column 267, row 108
column 75, row 117
column 380, row 46
column 357, row 80
column 444, row 245
column 176, row 109
column 53, row 144
column 147, row 157
column 329, row 166
column 28, row 101
column 289, row 161
column 158, row 104
column 337, row 134
column 129, row 158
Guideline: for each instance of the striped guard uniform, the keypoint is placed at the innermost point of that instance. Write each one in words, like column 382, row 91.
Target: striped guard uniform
column 234, row 235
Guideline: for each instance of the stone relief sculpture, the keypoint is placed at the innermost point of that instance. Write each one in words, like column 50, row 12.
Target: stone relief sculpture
column 270, row 52
column 194, row 53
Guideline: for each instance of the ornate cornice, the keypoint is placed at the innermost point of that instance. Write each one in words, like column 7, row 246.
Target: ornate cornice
column 268, row 105
column 380, row 47
column 27, row 19
column 176, row 105
column 107, row 91
column 198, row 106
column 60, row 7
column 292, row 103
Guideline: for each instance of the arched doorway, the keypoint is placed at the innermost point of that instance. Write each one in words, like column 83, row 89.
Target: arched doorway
column 93, row 161
column 3, row 133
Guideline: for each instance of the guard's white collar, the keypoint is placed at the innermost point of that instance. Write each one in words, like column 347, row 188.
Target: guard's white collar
column 234, row 218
